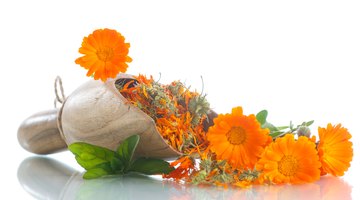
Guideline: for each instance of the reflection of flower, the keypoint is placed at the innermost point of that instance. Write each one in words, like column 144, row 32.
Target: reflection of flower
column 335, row 149
column 290, row 161
column 70, row 185
column 237, row 138
column 275, row 192
column 334, row 188
column 105, row 54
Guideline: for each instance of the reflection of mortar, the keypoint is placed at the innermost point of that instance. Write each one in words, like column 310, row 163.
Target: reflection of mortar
column 96, row 113
column 45, row 178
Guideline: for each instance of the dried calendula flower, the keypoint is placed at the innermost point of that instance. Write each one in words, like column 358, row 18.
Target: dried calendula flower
column 177, row 112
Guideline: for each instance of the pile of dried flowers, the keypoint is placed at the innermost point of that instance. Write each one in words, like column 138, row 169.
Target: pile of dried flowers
column 178, row 113
column 237, row 150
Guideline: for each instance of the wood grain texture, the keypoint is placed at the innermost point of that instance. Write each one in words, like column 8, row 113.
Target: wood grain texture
column 98, row 114
column 40, row 134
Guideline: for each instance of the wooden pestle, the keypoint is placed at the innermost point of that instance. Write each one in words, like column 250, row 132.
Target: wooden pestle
column 40, row 134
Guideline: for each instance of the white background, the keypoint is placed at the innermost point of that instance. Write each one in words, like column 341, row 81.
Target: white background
column 299, row 60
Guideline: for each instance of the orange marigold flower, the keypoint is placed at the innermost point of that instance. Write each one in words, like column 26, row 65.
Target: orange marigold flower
column 335, row 149
column 289, row 161
column 105, row 54
column 237, row 138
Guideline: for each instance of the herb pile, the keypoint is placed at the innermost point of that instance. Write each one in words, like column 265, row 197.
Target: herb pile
column 178, row 113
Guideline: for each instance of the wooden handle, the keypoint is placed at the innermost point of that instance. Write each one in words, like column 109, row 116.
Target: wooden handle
column 40, row 134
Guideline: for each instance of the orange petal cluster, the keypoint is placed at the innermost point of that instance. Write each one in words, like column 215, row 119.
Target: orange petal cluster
column 238, row 138
column 335, row 149
column 105, row 54
column 184, row 166
column 290, row 161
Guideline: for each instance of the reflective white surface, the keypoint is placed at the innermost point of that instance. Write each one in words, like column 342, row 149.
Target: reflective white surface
column 298, row 59
column 46, row 178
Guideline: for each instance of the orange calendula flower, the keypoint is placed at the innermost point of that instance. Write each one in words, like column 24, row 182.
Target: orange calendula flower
column 237, row 138
column 290, row 161
column 335, row 149
column 105, row 54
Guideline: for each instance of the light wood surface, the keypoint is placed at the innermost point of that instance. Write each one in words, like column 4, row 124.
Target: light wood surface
column 98, row 114
column 40, row 134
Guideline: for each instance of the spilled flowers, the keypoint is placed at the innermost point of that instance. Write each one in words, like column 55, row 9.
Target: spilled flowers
column 229, row 149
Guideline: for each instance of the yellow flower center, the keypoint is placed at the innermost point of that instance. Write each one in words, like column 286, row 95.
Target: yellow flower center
column 105, row 54
column 288, row 165
column 236, row 136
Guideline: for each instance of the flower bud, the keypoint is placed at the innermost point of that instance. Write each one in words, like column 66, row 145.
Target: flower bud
column 303, row 131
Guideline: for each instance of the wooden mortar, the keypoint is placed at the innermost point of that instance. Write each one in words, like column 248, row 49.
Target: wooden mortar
column 98, row 114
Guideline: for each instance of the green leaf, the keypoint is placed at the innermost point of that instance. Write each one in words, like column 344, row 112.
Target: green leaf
column 99, row 161
column 309, row 123
column 280, row 128
column 117, row 165
column 89, row 156
column 277, row 134
column 270, row 126
column 261, row 116
column 95, row 173
column 151, row 166
column 127, row 148
column 99, row 171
